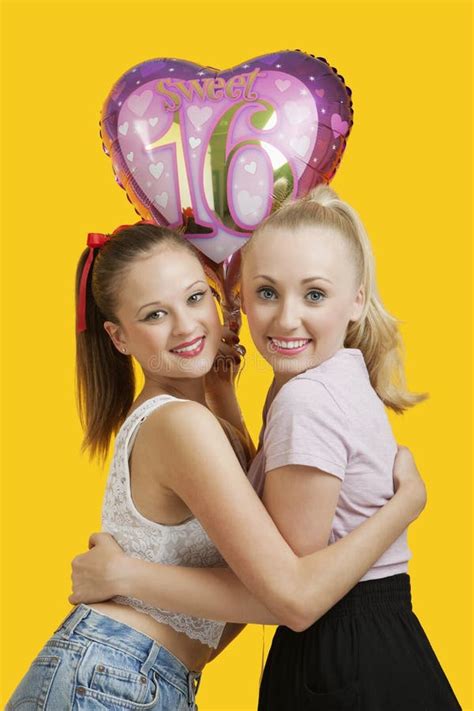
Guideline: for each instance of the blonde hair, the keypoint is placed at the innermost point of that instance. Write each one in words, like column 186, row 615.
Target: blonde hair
column 376, row 332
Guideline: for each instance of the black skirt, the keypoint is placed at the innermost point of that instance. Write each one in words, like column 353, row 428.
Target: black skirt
column 368, row 653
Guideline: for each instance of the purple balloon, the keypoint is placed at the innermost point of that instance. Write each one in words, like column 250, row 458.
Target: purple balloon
column 230, row 145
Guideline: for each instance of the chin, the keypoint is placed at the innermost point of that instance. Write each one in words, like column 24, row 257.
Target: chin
column 292, row 367
column 196, row 369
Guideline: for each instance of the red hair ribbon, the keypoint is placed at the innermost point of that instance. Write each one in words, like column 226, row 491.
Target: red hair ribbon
column 95, row 240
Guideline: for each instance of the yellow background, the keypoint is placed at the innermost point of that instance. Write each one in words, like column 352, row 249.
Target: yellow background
column 406, row 170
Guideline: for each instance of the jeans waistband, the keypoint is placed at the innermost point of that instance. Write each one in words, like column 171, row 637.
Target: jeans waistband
column 94, row 625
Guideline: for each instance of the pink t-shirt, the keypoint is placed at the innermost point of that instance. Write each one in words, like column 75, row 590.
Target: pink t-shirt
column 331, row 418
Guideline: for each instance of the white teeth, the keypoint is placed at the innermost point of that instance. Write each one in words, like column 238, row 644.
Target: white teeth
column 187, row 349
column 290, row 344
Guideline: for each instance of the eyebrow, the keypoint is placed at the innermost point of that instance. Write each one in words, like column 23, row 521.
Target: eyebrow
column 303, row 281
column 157, row 303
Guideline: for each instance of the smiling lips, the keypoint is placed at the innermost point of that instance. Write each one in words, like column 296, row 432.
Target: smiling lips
column 288, row 346
column 190, row 349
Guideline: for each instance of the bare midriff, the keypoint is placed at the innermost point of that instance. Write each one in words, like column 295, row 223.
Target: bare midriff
column 191, row 652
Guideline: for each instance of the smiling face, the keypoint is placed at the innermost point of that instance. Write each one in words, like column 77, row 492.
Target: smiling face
column 300, row 291
column 167, row 315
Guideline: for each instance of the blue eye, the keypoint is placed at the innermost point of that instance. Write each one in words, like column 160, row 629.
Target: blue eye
column 266, row 293
column 315, row 296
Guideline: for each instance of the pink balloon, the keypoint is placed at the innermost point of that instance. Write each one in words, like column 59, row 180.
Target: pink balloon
column 229, row 146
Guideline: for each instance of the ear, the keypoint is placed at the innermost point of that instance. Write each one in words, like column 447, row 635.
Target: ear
column 116, row 336
column 358, row 304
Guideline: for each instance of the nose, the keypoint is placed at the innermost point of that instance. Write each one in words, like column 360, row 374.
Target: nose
column 288, row 317
column 184, row 322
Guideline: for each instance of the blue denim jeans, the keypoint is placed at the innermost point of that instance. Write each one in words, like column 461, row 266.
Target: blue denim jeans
column 93, row 663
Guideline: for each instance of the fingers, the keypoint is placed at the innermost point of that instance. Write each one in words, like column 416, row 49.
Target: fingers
column 99, row 538
column 76, row 571
column 402, row 448
column 74, row 563
column 234, row 324
column 404, row 454
column 229, row 336
column 233, row 354
column 72, row 597
column 93, row 540
column 231, row 344
column 226, row 349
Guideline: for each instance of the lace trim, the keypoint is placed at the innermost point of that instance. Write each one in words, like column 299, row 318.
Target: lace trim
column 184, row 544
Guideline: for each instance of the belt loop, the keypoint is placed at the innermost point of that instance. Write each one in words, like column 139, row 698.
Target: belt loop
column 73, row 619
column 198, row 682
column 151, row 659
column 194, row 679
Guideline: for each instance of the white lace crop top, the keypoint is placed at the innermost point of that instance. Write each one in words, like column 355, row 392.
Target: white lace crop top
column 184, row 544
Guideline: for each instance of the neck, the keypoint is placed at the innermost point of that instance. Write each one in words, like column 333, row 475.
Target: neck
column 186, row 388
column 281, row 378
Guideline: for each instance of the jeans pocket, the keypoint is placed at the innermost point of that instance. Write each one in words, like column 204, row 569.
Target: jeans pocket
column 345, row 699
column 114, row 681
column 170, row 696
column 33, row 690
column 121, row 682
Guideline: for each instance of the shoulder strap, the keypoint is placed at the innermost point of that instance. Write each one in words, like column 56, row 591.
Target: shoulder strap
column 138, row 416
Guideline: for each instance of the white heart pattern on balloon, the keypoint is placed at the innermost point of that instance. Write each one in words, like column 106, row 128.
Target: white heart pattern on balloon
column 217, row 143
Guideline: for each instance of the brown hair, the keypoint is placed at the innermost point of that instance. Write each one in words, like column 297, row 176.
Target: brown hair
column 376, row 333
column 105, row 377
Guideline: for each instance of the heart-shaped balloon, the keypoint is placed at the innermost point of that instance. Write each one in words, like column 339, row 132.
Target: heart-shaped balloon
column 226, row 146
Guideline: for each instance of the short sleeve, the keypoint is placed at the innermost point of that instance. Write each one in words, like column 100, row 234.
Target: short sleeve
column 306, row 426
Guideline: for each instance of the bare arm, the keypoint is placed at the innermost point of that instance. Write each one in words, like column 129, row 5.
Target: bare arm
column 302, row 501
column 297, row 591
column 217, row 594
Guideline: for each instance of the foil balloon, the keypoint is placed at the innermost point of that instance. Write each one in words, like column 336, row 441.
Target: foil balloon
column 214, row 152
